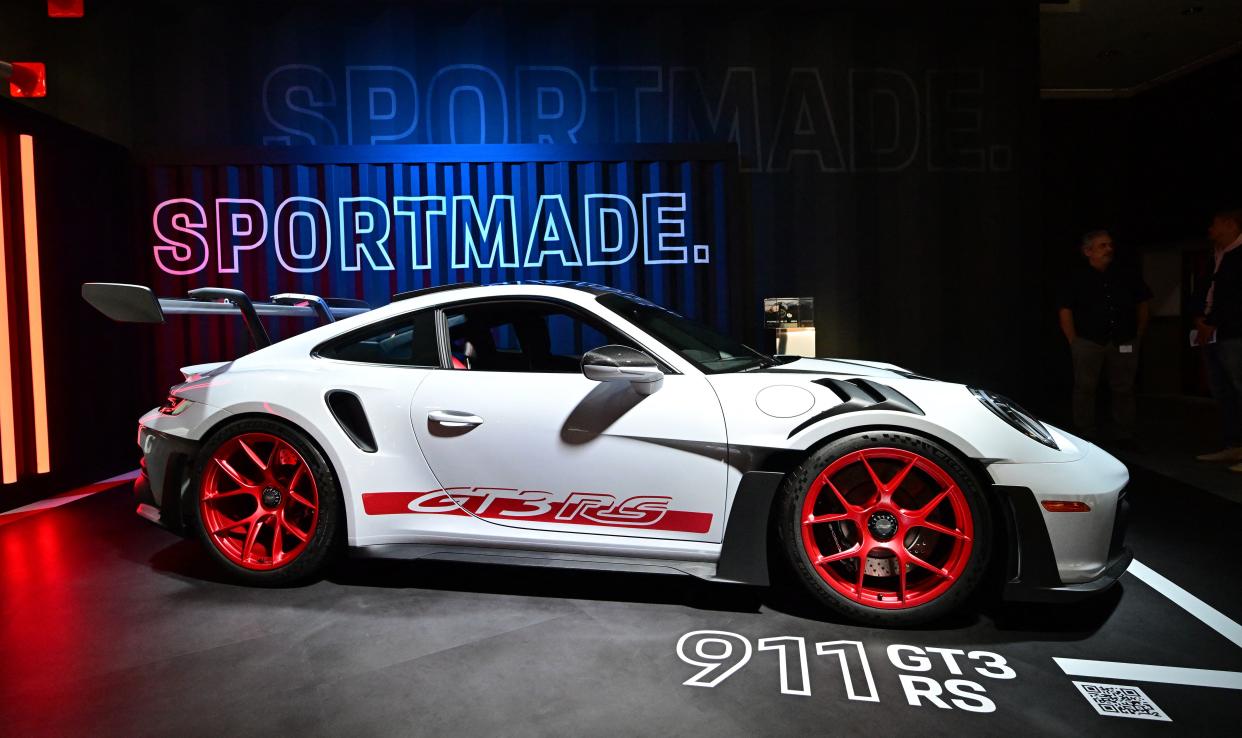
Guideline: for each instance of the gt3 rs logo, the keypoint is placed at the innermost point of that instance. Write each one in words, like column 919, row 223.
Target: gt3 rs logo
column 583, row 508
column 579, row 508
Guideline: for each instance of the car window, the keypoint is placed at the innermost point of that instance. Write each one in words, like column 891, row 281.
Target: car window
column 524, row 336
column 708, row 350
column 407, row 341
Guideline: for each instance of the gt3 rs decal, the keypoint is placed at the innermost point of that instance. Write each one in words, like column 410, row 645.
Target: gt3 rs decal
column 579, row 508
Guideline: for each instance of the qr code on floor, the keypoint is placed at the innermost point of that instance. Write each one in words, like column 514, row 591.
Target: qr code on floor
column 1119, row 700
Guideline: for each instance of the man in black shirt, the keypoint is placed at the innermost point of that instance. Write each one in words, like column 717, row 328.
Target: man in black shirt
column 1218, row 327
column 1103, row 312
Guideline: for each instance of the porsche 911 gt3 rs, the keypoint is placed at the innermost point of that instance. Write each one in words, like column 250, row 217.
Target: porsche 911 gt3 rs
column 567, row 424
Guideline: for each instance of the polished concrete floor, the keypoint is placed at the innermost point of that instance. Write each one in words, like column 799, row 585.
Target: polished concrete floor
column 112, row 626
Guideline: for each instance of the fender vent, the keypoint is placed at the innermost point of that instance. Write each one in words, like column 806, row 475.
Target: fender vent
column 858, row 395
column 347, row 409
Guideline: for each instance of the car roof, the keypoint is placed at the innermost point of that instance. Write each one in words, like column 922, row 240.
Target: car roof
column 589, row 287
column 574, row 291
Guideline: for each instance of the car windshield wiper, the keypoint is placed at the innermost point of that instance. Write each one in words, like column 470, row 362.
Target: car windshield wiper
column 764, row 363
column 767, row 362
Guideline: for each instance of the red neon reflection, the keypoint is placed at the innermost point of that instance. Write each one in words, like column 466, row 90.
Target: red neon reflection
column 37, row 566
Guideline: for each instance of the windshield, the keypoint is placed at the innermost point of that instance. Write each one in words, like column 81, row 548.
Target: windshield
column 708, row 350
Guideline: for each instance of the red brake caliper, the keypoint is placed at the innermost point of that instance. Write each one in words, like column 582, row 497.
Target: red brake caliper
column 889, row 543
column 258, row 501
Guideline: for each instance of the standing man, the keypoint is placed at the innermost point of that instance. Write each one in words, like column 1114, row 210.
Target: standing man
column 1219, row 326
column 1103, row 312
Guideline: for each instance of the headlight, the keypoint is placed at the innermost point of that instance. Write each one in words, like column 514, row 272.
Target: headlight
column 1009, row 411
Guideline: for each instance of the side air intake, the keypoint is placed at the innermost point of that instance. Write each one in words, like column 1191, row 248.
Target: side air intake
column 347, row 409
column 859, row 395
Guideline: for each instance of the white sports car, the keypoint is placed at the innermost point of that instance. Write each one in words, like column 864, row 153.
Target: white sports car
column 567, row 424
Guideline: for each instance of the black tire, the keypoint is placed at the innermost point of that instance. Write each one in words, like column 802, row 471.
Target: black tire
column 325, row 540
column 798, row 483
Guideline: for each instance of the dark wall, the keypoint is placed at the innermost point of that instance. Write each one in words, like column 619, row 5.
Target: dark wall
column 1154, row 165
column 1152, row 168
column 95, row 375
column 1187, row 152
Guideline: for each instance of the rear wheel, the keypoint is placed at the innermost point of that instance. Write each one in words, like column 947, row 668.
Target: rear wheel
column 267, row 505
column 887, row 528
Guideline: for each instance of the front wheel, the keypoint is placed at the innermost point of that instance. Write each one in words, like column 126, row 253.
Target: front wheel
column 266, row 503
column 886, row 528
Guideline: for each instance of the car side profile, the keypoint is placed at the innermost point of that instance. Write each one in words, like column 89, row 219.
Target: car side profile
column 573, row 425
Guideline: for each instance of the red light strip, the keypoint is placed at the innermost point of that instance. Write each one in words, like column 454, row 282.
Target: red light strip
column 34, row 307
column 66, row 8
column 8, row 424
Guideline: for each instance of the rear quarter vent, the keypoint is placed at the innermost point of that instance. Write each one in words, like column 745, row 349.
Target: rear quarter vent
column 347, row 409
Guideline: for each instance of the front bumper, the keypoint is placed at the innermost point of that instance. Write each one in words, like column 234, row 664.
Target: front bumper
column 1033, row 573
column 1081, row 541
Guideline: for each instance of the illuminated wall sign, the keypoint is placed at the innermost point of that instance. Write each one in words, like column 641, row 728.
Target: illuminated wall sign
column 368, row 222
column 308, row 234
column 830, row 119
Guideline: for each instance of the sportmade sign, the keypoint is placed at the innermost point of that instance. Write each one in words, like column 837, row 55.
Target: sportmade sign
column 349, row 234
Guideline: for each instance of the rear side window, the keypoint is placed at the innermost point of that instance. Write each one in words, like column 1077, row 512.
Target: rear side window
column 407, row 341
column 524, row 336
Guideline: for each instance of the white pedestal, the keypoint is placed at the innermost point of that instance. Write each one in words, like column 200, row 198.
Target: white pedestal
column 795, row 341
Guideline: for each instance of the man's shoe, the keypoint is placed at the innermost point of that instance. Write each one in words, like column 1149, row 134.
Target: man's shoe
column 1233, row 453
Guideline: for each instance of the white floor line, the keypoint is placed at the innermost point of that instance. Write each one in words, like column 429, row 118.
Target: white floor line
column 1150, row 673
column 1213, row 618
column 46, row 504
column 51, row 502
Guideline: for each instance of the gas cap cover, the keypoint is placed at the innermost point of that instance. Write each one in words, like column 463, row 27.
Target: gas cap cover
column 784, row 401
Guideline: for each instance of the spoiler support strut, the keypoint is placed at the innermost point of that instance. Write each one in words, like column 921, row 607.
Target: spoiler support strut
column 258, row 333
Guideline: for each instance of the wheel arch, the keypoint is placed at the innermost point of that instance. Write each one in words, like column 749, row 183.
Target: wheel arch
column 985, row 578
column 185, row 483
column 785, row 461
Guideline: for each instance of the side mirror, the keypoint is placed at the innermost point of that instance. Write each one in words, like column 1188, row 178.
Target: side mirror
column 623, row 364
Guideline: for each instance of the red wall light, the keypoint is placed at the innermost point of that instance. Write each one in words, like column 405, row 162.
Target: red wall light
column 65, row 8
column 28, row 79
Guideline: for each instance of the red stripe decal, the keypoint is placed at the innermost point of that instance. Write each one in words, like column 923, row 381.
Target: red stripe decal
column 536, row 506
column 396, row 503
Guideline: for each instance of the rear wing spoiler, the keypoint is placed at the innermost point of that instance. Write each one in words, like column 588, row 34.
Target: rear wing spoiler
column 134, row 303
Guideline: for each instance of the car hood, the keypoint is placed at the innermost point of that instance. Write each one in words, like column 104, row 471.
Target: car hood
column 791, row 406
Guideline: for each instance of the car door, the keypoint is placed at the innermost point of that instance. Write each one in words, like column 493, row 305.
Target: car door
column 517, row 436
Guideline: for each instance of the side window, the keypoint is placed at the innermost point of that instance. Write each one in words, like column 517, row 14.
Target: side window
column 525, row 336
column 407, row 341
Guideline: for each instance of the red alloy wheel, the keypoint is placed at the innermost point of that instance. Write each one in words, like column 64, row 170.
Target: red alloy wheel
column 258, row 501
column 891, row 544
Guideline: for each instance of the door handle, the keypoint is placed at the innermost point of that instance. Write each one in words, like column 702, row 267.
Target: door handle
column 454, row 418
